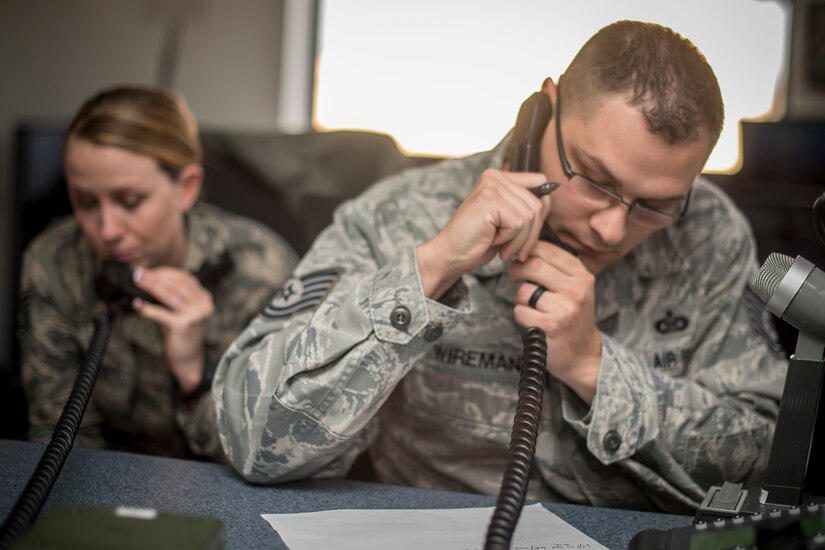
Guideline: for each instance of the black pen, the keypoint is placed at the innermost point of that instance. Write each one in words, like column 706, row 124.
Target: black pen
column 543, row 189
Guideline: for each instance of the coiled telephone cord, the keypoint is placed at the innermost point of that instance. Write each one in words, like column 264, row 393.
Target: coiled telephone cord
column 40, row 483
column 522, row 442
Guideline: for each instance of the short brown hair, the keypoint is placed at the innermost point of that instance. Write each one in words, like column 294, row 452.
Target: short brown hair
column 660, row 71
column 145, row 120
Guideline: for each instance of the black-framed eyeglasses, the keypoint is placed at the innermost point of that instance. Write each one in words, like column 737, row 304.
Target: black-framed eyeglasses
column 603, row 198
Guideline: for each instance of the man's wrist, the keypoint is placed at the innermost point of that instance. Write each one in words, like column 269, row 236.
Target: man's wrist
column 583, row 379
column 434, row 276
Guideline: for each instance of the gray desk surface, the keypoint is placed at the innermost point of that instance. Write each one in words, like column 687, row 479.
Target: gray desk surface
column 109, row 478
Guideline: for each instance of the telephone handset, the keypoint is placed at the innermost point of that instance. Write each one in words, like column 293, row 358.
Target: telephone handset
column 115, row 286
column 524, row 150
column 523, row 153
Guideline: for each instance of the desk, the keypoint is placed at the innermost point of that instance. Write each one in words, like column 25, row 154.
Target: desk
column 111, row 478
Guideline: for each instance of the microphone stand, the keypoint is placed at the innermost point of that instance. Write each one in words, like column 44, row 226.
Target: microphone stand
column 40, row 484
column 799, row 437
column 797, row 442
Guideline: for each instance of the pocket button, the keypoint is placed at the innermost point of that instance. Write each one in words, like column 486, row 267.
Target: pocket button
column 400, row 317
column 612, row 441
column 433, row 333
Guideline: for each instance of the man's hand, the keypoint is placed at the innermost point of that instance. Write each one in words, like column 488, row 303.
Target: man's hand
column 187, row 306
column 499, row 216
column 565, row 312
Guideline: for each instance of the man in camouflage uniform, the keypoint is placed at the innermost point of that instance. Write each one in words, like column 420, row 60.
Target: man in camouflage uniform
column 136, row 404
column 401, row 331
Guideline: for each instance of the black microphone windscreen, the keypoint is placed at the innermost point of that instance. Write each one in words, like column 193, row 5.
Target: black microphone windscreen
column 110, row 281
column 767, row 279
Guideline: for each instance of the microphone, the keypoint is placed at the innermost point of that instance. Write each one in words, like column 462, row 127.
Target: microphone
column 114, row 284
column 794, row 290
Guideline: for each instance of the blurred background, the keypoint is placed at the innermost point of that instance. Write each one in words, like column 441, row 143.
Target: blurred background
column 302, row 103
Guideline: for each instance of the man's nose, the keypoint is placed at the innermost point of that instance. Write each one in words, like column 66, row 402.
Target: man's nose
column 611, row 223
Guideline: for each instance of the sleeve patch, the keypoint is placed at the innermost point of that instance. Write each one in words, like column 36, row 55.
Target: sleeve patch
column 301, row 293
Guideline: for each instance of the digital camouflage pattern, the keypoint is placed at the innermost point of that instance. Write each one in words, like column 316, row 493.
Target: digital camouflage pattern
column 135, row 404
column 687, row 395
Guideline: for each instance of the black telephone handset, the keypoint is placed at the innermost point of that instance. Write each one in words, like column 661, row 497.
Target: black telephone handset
column 523, row 155
column 115, row 286
column 523, row 152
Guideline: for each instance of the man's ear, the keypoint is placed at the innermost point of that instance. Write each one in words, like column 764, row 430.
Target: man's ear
column 549, row 88
column 191, row 180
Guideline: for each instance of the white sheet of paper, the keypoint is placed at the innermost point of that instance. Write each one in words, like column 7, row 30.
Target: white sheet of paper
column 442, row 529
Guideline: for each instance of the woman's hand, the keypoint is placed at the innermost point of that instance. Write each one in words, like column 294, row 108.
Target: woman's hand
column 187, row 306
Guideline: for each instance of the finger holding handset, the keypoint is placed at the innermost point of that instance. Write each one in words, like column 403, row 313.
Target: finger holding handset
column 503, row 214
column 185, row 306
column 499, row 216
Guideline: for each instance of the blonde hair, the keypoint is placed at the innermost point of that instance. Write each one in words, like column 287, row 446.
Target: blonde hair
column 145, row 120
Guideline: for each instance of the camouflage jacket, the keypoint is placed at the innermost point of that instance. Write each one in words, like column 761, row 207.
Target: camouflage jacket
column 135, row 404
column 353, row 355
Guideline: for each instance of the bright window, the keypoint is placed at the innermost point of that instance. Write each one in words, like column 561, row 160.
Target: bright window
column 446, row 77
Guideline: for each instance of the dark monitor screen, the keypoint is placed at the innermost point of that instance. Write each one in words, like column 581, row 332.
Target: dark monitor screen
column 39, row 186
column 39, row 195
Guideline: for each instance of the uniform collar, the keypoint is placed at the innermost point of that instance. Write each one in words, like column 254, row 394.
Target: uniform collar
column 624, row 283
column 196, row 240
column 658, row 256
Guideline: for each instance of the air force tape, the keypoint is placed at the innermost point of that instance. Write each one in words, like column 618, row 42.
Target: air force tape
column 301, row 293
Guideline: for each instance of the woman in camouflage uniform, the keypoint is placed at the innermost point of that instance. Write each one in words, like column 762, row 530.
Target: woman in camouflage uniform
column 132, row 160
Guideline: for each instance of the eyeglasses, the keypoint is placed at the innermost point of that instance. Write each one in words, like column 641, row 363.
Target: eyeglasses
column 604, row 198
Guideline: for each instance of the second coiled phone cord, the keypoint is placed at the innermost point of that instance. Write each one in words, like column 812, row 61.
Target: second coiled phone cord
column 115, row 287
column 37, row 490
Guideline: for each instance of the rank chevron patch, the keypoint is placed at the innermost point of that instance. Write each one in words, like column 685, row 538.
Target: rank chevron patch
column 301, row 293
